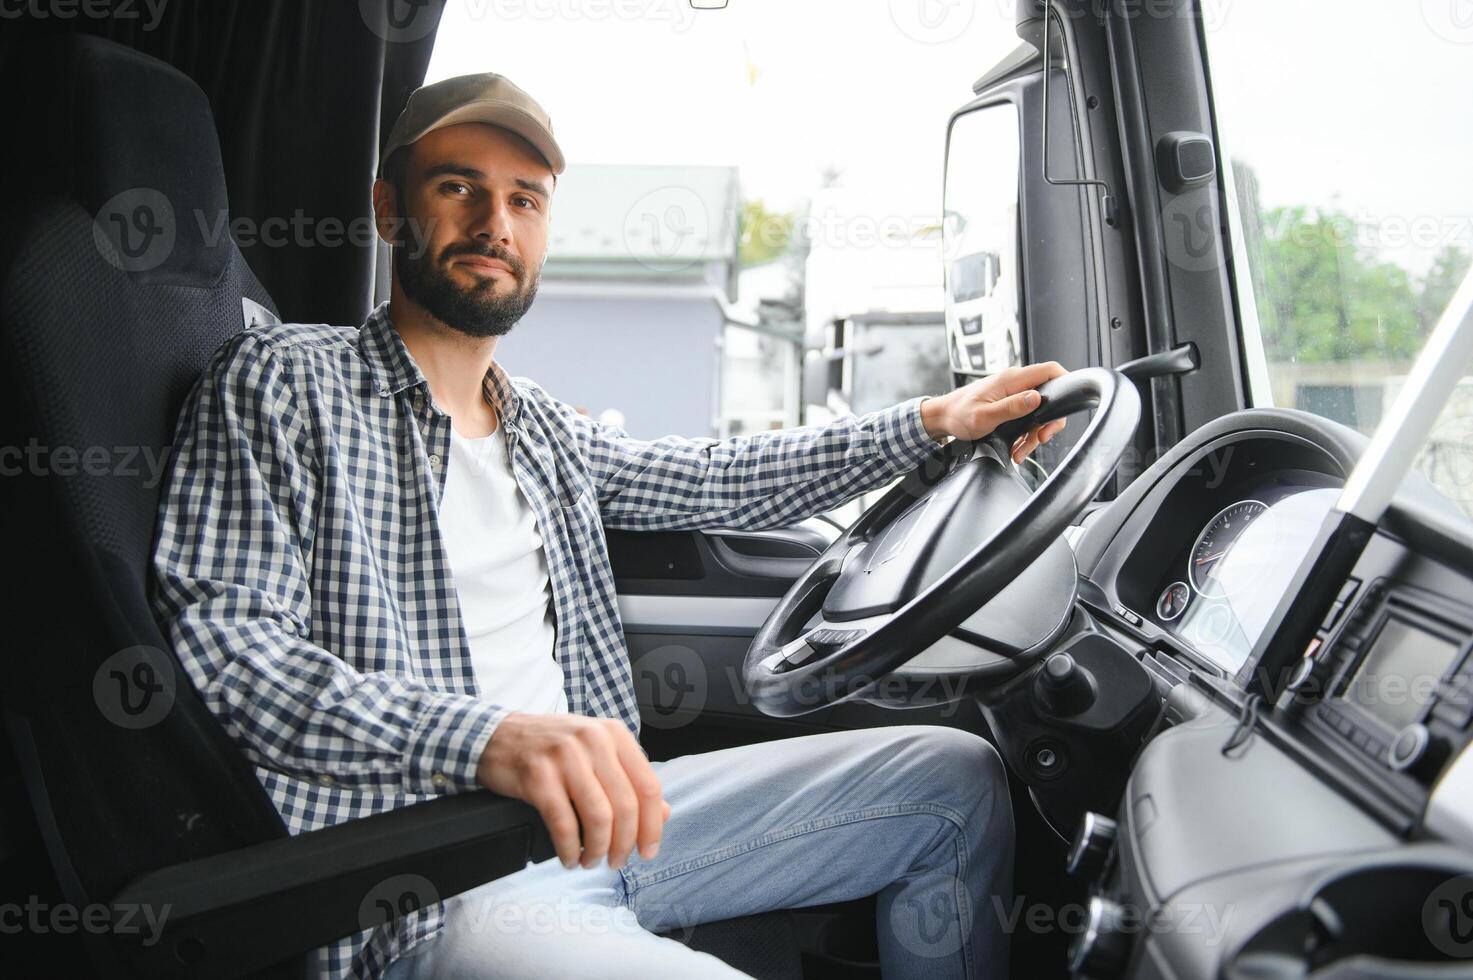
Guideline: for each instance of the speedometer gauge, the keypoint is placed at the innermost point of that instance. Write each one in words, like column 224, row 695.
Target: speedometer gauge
column 1215, row 540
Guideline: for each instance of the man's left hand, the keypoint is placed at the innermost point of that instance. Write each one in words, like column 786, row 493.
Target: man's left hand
column 974, row 410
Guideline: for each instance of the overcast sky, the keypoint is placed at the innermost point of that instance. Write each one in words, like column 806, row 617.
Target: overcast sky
column 780, row 88
column 1369, row 111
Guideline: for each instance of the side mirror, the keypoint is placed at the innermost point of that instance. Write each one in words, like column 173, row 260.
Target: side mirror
column 979, row 240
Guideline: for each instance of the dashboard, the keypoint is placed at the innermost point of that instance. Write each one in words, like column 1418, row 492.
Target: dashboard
column 1219, row 589
column 1333, row 826
column 1202, row 561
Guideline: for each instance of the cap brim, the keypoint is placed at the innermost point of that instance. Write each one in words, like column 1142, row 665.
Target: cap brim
column 495, row 113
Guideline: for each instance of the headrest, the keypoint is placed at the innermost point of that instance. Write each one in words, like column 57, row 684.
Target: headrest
column 114, row 128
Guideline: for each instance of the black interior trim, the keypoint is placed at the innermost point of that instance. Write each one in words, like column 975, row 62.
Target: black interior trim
column 234, row 913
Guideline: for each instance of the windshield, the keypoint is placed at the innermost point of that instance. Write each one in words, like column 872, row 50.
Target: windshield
column 734, row 201
column 1345, row 162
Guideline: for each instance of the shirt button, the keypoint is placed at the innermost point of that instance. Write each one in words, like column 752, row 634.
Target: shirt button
column 439, row 779
column 326, row 779
column 435, row 460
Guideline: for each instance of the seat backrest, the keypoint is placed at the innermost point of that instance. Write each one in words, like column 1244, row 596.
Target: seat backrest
column 118, row 279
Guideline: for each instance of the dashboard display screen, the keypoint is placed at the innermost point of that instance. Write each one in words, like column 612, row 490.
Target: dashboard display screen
column 1400, row 672
column 1238, row 569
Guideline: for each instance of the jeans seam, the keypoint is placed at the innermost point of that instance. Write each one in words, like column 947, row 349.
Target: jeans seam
column 964, row 925
column 635, row 881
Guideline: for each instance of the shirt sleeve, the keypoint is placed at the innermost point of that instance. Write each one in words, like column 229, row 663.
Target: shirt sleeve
column 767, row 479
column 231, row 591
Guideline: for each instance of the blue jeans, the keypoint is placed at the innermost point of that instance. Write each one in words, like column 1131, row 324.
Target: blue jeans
column 917, row 814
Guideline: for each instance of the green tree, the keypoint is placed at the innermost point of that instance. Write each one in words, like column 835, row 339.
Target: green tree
column 1329, row 298
column 765, row 234
column 1448, row 268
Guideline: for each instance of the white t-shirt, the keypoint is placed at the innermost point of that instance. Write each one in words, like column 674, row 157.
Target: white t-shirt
column 500, row 574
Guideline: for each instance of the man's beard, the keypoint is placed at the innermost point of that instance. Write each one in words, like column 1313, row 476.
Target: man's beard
column 477, row 311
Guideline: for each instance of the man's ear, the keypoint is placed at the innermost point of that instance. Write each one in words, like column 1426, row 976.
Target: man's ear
column 386, row 212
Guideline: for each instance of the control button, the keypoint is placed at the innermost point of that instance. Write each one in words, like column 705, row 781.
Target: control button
column 1328, row 713
column 1455, row 701
column 1127, row 615
column 1351, row 642
column 1332, row 617
column 1103, row 948
column 1348, row 590
column 971, row 325
column 793, row 654
column 832, row 639
column 1343, row 725
column 1360, row 738
column 798, row 653
column 1409, row 747
column 1456, row 710
column 1091, row 845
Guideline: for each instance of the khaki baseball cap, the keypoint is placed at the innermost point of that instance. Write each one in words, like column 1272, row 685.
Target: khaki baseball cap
column 484, row 98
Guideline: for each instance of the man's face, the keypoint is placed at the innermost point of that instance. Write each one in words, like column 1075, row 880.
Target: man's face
column 470, row 247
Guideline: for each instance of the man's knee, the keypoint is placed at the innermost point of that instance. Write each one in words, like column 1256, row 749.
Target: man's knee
column 965, row 767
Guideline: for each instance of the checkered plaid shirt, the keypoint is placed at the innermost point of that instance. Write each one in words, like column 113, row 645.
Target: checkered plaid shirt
column 300, row 575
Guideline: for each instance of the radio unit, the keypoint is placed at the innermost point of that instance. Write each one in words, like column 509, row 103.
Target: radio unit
column 1399, row 681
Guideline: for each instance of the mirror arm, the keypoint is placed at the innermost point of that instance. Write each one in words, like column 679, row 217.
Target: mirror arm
column 1108, row 203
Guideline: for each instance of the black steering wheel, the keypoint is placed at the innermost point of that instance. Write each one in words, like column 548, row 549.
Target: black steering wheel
column 932, row 551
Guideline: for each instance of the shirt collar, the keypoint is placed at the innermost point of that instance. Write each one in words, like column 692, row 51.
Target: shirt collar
column 394, row 368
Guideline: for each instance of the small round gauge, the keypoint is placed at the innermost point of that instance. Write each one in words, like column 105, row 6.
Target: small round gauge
column 1215, row 540
column 1173, row 601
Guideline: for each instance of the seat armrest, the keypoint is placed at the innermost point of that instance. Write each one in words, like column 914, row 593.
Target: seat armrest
column 235, row 913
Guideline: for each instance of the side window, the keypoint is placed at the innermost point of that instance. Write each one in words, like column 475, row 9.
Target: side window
column 899, row 360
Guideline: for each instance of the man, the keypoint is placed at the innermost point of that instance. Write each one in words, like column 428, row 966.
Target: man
column 382, row 563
